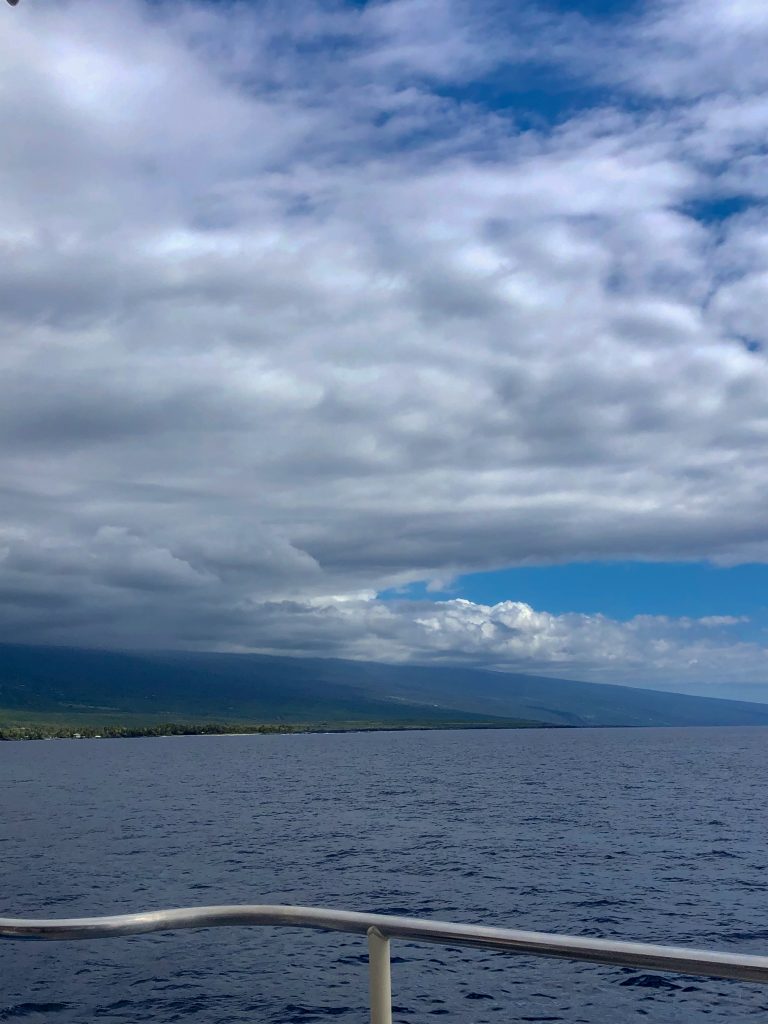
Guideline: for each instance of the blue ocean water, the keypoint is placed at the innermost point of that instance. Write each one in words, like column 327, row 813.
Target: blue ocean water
column 654, row 835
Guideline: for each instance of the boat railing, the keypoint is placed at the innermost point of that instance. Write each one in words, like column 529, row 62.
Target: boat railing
column 380, row 929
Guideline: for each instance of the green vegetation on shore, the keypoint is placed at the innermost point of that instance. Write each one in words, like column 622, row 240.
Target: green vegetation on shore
column 43, row 731
column 48, row 731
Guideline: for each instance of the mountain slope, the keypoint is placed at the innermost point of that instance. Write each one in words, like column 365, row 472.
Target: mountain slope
column 100, row 685
column 556, row 701
column 90, row 686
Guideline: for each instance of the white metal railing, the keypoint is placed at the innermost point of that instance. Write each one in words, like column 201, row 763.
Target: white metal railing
column 380, row 928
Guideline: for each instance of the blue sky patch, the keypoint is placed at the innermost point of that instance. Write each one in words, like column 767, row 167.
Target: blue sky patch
column 619, row 590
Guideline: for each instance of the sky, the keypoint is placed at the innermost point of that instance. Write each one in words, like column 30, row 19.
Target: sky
column 420, row 331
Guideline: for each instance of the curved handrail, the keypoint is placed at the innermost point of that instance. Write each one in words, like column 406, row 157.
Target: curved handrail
column 573, row 947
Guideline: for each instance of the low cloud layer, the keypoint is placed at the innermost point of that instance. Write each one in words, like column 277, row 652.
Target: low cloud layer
column 290, row 309
column 647, row 649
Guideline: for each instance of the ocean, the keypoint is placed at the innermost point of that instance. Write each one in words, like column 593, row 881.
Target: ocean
column 657, row 835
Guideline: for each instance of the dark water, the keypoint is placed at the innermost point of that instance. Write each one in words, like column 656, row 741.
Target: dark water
column 655, row 835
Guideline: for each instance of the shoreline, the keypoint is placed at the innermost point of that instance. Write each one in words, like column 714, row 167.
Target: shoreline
column 28, row 733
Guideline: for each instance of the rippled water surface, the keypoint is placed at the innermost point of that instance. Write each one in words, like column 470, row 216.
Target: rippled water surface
column 655, row 835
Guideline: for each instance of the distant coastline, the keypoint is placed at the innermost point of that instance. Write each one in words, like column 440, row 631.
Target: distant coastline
column 49, row 692
column 10, row 733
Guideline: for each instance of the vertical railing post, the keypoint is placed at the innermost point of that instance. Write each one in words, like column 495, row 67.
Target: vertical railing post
column 379, row 977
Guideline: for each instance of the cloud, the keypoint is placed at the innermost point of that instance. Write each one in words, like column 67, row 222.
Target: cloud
column 287, row 309
column 657, row 651
column 696, row 48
